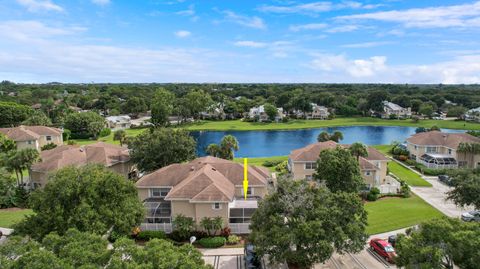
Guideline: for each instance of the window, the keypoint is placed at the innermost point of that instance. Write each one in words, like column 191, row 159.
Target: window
column 158, row 211
column 249, row 191
column 217, row 206
column 367, row 173
column 159, row 192
column 416, row 147
column 29, row 142
column 449, row 151
column 431, row 149
column 49, row 138
column 241, row 215
column 311, row 165
column 308, row 177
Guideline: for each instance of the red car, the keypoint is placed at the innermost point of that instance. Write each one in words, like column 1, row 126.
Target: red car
column 384, row 249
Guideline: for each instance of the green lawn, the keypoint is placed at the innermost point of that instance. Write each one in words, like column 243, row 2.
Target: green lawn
column 390, row 214
column 10, row 217
column 239, row 125
column 109, row 139
column 412, row 178
column 383, row 149
column 261, row 160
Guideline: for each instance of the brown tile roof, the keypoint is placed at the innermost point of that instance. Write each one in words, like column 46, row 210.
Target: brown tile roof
column 311, row 152
column 204, row 179
column 26, row 133
column 436, row 138
column 98, row 153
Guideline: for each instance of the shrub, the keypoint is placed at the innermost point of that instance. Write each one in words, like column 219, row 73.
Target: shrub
column 285, row 119
column 105, row 132
column 49, row 146
column 226, row 232
column 147, row 235
column 66, row 134
column 405, row 190
column 373, row 194
column 178, row 236
column 272, row 163
column 212, row 242
column 184, row 225
column 199, row 234
column 410, row 162
column 71, row 142
column 402, row 158
column 233, row 239
column 114, row 236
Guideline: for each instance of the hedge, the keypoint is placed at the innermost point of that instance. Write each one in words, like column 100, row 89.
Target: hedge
column 147, row 235
column 212, row 242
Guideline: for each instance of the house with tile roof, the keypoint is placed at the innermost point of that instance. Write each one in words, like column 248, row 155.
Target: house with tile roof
column 204, row 187
column 438, row 150
column 399, row 112
column 113, row 157
column 34, row 136
column 302, row 163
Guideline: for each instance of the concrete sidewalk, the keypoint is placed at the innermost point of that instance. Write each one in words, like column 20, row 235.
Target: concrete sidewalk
column 221, row 251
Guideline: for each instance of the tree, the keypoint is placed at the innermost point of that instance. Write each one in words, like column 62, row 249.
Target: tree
column 228, row 145
column 162, row 107
column 440, row 243
column 211, row 225
column 339, row 170
column 183, row 225
column 84, row 125
column 375, row 99
column 303, row 224
column 358, row 150
column 456, row 111
column 87, row 250
column 197, row 101
column 324, row 136
column 271, row 111
column 161, row 147
column 466, row 187
column 37, row 118
column 13, row 114
column 426, row 110
column 120, row 136
column 6, row 144
column 213, row 150
column 19, row 160
column 91, row 199
column 469, row 149
column 135, row 105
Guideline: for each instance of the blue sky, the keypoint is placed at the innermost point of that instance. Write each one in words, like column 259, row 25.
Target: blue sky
column 376, row 41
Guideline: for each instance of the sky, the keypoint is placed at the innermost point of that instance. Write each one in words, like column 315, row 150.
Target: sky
column 240, row 41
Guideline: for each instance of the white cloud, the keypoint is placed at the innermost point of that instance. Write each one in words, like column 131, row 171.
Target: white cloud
column 187, row 12
column 182, row 33
column 366, row 44
column 250, row 44
column 252, row 22
column 315, row 7
column 40, row 5
column 310, row 26
column 34, row 31
column 342, row 28
column 339, row 68
column 466, row 15
column 101, row 2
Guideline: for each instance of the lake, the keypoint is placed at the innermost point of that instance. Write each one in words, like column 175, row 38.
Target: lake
column 276, row 143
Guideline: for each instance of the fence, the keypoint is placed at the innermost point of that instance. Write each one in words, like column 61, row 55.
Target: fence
column 166, row 227
column 239, row 228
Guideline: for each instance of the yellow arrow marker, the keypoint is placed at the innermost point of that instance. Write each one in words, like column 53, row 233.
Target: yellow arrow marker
column 245, row 177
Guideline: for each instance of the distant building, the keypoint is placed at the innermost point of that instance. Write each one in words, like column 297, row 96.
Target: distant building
column 215, row 111
column 439, row 150
column 34, row 137
column 115, row 158
column 259, row 114
column 390, row 108
column 317, row 113
column 473, row 115
column 119, row 122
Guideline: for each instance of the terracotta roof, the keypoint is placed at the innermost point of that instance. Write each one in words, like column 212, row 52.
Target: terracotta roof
column 204, row 179
column 26, row 133
column 98, row 153
column 366, row 165
column 436, row 138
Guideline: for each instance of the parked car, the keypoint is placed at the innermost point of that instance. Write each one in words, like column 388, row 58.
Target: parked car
column 383, row 249
column 392, row 239
column 471, row 216
column 252, row 260
column 445, row 180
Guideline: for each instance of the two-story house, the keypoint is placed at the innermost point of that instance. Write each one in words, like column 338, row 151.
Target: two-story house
column 120, row 122
column 204, row 187
column 302, row 163
column 390, row 108
column 113, row 157
column 259, row 114
column 34, row 137
column 438, row 150
column 317, row 113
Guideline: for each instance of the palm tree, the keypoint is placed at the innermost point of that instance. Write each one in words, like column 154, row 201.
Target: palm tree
column 323, row 136
column 213, row 150
column 228, row 145
column 337, row 136
column 121, row 136
column 469, row 148
column 20, row 160
column 358, row 150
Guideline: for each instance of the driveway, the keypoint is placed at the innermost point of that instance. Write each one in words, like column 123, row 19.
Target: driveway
column 436, row 196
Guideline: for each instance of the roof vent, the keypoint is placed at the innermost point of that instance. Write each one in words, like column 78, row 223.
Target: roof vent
column 213, row 168
column 192, row 168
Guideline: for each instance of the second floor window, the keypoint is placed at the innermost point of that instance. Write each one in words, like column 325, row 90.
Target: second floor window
column 431, row 149
column 311, row 165
column 249, row 191
column 159, row 192
column 49, row 138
